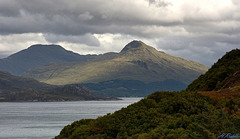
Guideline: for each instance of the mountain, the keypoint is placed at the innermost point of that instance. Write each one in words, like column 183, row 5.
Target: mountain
column 38, row 55
column 15, row 88
column 137, row 62
column 214, row 78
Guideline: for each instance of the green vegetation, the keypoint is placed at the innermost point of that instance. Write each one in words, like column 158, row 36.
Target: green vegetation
column 160, row 115
column 214, row 77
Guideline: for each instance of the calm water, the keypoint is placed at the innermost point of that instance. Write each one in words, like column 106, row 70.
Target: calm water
column 44, row 120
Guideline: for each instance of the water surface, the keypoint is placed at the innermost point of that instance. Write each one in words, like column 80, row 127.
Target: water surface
column 44, row 120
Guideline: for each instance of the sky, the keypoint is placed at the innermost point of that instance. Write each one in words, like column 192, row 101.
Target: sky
column 199, row 30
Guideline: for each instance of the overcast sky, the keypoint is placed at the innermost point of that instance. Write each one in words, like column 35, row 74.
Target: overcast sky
column 199, row 30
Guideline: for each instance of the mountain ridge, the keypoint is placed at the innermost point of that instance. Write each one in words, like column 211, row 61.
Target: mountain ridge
column 39, row 55
column 136, row 61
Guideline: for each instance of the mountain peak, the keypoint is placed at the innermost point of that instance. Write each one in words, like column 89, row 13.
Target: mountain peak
column 133, row 45
column 47, row 46
column 39, row 55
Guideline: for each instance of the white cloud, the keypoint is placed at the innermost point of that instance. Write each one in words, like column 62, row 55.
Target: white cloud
column 13, row 43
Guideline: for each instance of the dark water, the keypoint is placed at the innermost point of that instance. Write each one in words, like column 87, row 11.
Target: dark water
column 44, row 120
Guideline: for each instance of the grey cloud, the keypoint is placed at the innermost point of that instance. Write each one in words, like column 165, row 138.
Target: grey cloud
column 159, row 3
column 3, row 55
column 87, row 39
column 75, row 17
column 192, row 34
column 203, row 49
column 8, row 8
column 82, row 17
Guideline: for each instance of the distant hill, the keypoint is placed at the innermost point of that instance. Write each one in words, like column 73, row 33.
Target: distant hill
column 14, row 88
column 215, row 78
column 15, row 83
column 136, row 62
column 38, row 55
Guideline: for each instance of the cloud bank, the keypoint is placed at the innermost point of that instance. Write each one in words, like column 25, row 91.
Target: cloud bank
column 197, row 30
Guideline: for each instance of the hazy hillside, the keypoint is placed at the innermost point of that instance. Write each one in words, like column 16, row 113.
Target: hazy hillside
column 38, row 55
column 136, row 62
column 14, row 88
column 132, row 88
column 14, row 83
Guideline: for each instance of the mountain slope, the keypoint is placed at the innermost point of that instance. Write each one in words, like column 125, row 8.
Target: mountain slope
column 38, row 55
column 14, row 83
column 132, row 88
column 214, row 78
column 229, row 88
column 14, row 88
column 222, row 80
column 142, row 63
column 136, row 62
column 232, row 82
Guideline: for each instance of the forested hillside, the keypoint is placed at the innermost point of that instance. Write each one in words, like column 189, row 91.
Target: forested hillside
column 160, row 115
column 214, row 77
